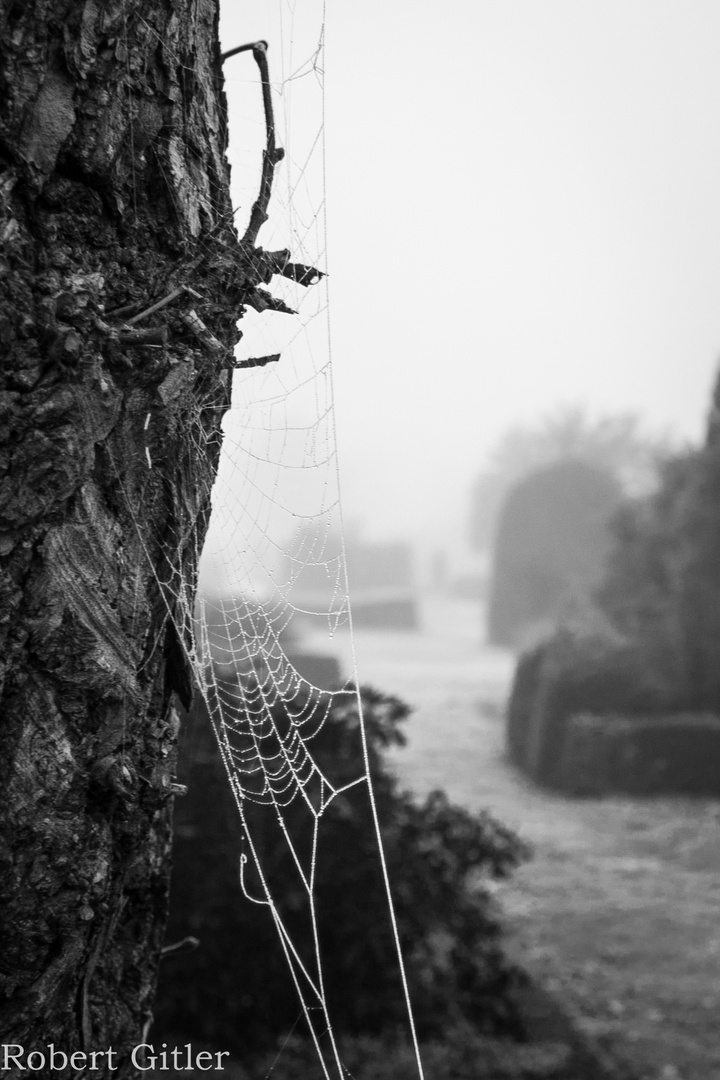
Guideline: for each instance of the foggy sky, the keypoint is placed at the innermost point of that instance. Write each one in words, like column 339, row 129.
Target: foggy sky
column 523, row 213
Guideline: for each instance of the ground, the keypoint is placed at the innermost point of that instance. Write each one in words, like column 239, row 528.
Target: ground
column 618, row 912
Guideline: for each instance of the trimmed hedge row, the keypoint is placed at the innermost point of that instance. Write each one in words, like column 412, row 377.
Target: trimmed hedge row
column 577, row 670
column 588, row 714
column 659, row 755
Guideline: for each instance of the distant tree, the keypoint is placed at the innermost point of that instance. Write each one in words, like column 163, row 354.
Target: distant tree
column 662, row 586
column 645, row 578
column 700, row 596
column 550, row 549
column 614, row 444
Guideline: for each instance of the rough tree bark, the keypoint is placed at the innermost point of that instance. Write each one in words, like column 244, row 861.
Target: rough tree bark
column 114, row 189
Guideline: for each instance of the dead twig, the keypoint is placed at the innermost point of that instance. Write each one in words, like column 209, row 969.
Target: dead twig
column 187, row 944
column 261, row 300
column 257, row 361
column 302, row 274
column 159, row 305
column 194, row 323
column 268, row 263
column 152, row 335
column 156, row 307
column 272, row 153
column 242, row 48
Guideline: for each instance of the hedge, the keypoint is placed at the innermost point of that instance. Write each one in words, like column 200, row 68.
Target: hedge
column 677, row 754
column 578, row 669
column 523, row 694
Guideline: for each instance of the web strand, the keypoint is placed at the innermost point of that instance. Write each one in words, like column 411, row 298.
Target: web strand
column 273, row 572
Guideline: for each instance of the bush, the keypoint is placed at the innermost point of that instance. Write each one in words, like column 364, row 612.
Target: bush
column 236, row 991
column 663, row 579
column 648, row 575
column 660, row 755
column 463, row 1054
column 524, row 693
column 584, row 667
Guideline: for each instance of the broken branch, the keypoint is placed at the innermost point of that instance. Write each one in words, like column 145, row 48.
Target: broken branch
column 194, row 323
column 272, row 153
column 156, row 307
column 261, row 300
column 302, row 274
column 257, row 361
column 188, row 944
column 130, row 339
column 241, row 48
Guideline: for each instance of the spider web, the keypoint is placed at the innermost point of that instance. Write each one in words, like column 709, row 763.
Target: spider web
column 273, row 569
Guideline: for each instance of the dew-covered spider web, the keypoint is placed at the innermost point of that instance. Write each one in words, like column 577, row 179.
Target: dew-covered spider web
column 273, row 571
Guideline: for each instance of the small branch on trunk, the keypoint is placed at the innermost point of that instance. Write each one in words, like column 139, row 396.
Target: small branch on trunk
column 152, row 335
column 302, row 274
column 272, row 153
column 187, row 944
column 154, row 307
column 261, row 265
column 261, row 300
column 242, row 48
column 267, row 263
column 257, row 361
column 195, row 324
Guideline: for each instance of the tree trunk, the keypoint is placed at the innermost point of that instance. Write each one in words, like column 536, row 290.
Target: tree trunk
column 114, row 196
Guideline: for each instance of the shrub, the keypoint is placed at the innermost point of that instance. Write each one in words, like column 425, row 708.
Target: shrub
column 523, row 694
column 647, row 576
column 659, row 755
column 584, row 667
column 462, row 1054
column 663, row 581
column 236, row 991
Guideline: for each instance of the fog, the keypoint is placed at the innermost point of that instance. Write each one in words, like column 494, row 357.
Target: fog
column 516, row 209
column 522, row 215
